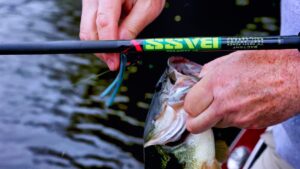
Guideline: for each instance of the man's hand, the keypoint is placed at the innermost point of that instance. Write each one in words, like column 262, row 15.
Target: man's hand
column 116, row 19
column 249, row 89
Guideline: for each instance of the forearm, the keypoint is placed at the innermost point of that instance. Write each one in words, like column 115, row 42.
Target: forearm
column 294, row 70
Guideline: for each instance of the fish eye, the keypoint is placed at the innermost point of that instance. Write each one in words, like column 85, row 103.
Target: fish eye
column 172, row 78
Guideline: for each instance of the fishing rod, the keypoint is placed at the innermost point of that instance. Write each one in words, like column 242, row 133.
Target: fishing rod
column 189, row 44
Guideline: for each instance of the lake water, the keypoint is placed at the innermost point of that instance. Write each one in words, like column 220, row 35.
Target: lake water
column 50, row 113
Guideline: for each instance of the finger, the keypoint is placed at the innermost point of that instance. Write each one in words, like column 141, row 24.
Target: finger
column 127, row 7
column 199, row 97
column 108, row 16
column 112, row 60
column 142, row 14
column 222, row 124
column 88, row 28
column 203, row 121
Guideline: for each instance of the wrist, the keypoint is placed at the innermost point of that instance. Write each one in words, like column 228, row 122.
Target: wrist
column 293, row 67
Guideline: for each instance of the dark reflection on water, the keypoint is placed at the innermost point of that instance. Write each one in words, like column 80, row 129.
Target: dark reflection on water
column 51, row 116
column 50, row 113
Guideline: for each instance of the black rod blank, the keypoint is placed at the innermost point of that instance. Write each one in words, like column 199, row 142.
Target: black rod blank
column 191, row 44
column 62, row 47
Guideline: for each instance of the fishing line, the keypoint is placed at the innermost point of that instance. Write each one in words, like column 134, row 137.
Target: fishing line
column 91, row 77
column 114, row 87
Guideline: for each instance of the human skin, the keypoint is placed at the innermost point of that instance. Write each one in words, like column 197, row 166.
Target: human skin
column 116, row 19
column 245, row 89
column 249, row 89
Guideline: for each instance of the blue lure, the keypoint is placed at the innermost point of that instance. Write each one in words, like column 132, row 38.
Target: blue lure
column 114, row 87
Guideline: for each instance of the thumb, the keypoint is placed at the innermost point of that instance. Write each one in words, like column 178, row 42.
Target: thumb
column 199, row 97
column 204, row 121
column 142, row 14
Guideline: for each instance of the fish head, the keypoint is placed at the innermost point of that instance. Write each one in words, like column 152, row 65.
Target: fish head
column 165, row 128
column 166, row 118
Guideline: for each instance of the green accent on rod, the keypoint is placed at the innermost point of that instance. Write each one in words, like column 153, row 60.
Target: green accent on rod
column 182, row 44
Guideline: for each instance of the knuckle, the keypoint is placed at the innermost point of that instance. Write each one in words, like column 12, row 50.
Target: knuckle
column 102, row 20
column 131, row 31
column 242, row 123
column 189, row 109
column 217, row 110
column 83, row 36
column 231, row 108
column 222, row 124
column 224, row 106
column 219, row 113
column 190, row 127
column 219, row 93
column 238, row 123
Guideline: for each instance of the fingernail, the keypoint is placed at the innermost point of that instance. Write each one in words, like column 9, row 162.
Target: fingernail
column 201, row 74
column 188, row 124
column 111, row 64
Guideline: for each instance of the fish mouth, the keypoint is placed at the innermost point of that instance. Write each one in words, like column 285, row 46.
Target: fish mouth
column 180, row 141
column 166, row 120
column 184, row 67
column 171, row 128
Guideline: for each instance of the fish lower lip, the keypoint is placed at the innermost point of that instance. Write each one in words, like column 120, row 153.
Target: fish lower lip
column 180, row 140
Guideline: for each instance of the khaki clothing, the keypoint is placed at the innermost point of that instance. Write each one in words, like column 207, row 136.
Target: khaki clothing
column 269, row 159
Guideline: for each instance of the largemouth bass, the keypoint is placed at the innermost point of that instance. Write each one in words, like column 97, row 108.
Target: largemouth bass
column 166, row 121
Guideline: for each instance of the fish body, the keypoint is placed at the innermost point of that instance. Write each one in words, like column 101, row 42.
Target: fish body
column 165, row 124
